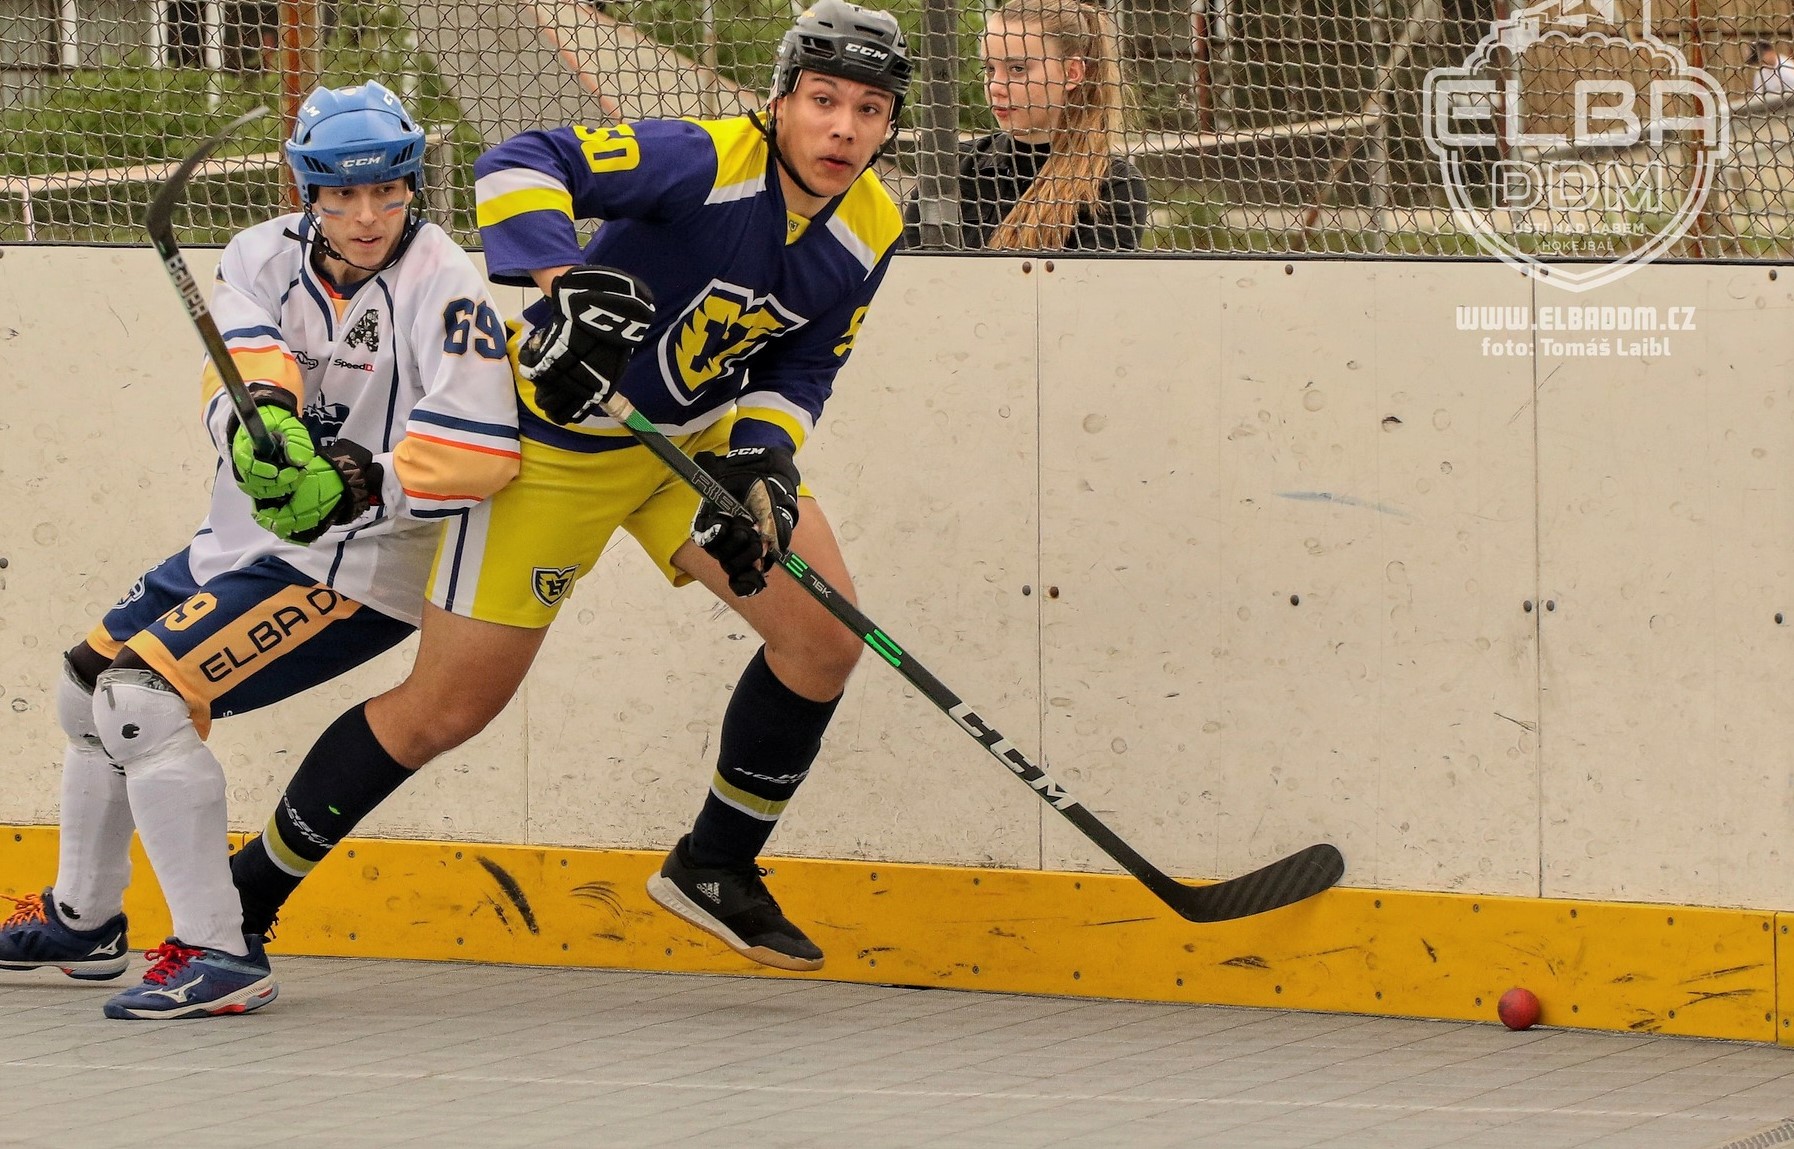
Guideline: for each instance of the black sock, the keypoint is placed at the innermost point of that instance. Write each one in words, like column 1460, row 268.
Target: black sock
column 344, row 776
column 771, row 735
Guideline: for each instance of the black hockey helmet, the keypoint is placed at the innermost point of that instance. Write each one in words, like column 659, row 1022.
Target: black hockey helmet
column 835, row 38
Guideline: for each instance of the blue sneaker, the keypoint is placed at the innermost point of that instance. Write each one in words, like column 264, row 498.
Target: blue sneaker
column 187, row 982
column 36, row 937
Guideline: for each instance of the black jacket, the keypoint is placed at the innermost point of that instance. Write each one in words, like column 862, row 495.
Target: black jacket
column 994, row 172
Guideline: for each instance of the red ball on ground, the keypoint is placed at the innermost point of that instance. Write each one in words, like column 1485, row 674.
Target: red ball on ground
column 1518, row 1009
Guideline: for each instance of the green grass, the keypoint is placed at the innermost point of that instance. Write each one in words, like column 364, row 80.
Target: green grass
column 130, row 114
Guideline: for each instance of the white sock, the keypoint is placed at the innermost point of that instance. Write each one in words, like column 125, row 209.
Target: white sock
column 177, row 794
column 93, row 864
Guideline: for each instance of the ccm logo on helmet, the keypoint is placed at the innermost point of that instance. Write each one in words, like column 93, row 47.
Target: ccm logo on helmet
column 362, row 162
column 878, row 55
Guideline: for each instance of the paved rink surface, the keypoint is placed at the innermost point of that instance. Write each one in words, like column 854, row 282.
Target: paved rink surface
column 377, row 1053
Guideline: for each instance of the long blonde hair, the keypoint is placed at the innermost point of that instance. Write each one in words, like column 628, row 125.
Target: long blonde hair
column 1089, row 127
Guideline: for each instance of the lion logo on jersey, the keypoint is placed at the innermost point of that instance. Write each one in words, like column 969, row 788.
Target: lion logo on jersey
column 551, row 585
column 725, row 325
column 366, row 332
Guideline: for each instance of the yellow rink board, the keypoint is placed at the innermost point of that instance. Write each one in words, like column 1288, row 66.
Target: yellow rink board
column 1618, row 966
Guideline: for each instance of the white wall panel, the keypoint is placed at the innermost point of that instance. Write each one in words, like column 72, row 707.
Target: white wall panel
column 1177, row 447
column 1292, row 532
column 1666, row 542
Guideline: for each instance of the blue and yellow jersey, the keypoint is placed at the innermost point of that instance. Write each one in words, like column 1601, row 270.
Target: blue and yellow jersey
column 756, row 309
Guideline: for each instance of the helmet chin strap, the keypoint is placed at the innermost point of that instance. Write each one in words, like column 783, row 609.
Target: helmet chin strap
column 770, row 129
column 322, row 245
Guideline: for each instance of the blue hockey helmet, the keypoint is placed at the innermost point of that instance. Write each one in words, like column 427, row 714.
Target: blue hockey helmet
column 358, row 135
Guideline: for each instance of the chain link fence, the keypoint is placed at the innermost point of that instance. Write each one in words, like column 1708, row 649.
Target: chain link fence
column 1277, row 127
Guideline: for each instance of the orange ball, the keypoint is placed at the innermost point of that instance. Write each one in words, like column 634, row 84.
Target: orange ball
column 1518, row 1009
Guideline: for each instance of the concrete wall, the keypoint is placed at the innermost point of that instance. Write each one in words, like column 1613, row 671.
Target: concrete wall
column 1250, row 553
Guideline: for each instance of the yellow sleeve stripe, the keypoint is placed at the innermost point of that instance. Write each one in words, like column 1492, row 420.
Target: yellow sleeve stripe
column 798, row 428
column 514, row 204
column 740, row 158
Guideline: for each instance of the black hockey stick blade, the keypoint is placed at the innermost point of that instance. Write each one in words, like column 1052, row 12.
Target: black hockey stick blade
column 159, row 222
column 1303, row 874
column 1286, row 881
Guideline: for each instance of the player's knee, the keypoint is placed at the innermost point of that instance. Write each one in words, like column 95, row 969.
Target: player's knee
column 140, row 716
column 74, row 707
column 828, row 653
column 842, row 653
column 415, row 727
column 451, row 728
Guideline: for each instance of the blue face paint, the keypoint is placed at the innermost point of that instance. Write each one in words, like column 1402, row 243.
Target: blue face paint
column 360, row 212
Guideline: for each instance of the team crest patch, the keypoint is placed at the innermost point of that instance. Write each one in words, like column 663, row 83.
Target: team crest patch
column 551, row 585
column 366, row 332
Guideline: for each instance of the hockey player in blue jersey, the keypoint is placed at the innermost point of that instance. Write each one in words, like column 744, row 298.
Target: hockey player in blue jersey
column 373, row 348
column 721, row 294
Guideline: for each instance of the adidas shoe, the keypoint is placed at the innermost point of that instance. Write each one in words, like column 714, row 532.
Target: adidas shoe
column 187, row 982
column 734, row 905
column 35, row 936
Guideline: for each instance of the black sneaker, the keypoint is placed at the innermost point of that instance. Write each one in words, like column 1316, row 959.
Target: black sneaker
column 734, row 905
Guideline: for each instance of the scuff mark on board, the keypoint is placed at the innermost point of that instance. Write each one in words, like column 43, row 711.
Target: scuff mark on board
column 1729, row 971
column 512, row 890
column 1247, row 961
column 1719, row 995
column 1344, row 501
column 604, row 893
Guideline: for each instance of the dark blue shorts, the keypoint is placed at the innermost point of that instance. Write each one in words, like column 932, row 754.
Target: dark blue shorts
column 250, row 637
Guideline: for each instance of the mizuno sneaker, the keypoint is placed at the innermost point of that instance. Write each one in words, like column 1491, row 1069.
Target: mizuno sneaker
column 186, row 982
column 734, row 905
column 36, row 937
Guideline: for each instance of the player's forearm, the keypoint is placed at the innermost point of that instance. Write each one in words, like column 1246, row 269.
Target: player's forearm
column 545, row 276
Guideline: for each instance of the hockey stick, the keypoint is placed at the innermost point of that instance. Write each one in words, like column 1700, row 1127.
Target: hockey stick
column 1300, row 875
column 159, row 221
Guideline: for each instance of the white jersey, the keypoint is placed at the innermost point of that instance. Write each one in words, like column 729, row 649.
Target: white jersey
column 410, row 364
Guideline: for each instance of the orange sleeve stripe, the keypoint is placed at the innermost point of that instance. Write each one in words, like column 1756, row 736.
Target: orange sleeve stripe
column 269, row 362
column 429, row 468
column 459, row 445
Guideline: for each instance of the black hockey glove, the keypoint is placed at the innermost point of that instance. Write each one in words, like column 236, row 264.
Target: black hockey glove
column 576, row 359
column 764, row 480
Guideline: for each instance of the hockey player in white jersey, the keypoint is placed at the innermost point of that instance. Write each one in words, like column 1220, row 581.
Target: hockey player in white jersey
column 377, row 357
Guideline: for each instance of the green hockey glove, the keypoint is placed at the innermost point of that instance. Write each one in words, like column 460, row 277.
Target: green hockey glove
column 260, row 479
